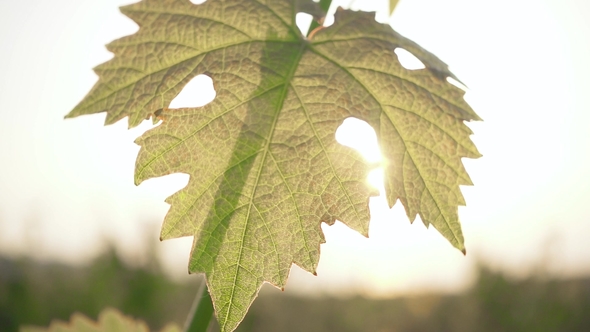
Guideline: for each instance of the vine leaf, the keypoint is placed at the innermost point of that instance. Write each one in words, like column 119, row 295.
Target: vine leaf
column 420, row 128
column 109, row 320
column 264, row 164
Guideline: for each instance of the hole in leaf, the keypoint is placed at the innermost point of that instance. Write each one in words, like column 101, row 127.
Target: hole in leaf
column 197, row 2
column 303, row 20
column 197, row 93
column 360, row 136
column 329, row 19
column 408, row 60
column 456, row 83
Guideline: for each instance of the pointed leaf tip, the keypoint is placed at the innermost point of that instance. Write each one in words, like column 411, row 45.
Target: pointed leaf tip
column 392, row 5
column 109, row 320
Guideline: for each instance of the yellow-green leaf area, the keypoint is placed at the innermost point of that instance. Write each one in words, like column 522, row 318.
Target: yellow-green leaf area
column 420, row 125
column 265, row 168
column 392, row 5
column 109, row 320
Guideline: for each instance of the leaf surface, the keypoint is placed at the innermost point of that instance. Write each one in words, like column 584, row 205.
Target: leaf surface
column 109, row 320
column 420, row 128
column 264, row 164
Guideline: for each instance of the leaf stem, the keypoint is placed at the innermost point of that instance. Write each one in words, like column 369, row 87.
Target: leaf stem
column 201, row 311
column 325, row 6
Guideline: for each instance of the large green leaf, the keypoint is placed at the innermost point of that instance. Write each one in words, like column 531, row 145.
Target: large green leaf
column 265, row 167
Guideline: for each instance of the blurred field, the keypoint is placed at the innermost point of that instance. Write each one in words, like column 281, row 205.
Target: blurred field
column 33, row 293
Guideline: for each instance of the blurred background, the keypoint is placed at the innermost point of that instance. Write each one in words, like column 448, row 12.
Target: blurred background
column 77, row 235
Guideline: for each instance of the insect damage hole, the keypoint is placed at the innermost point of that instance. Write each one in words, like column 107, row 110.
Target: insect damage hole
column 198, row 2
column 196, row 93
column 457, row 84
column 408, row 60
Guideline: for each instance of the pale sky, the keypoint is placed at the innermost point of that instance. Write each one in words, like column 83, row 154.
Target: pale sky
column 66, row 186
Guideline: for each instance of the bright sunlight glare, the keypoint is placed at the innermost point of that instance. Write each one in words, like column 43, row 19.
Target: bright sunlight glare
column 360, row 136
column 375, row 179
column 69, row 184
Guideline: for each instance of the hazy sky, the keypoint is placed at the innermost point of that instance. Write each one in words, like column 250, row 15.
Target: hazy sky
column 66, row 186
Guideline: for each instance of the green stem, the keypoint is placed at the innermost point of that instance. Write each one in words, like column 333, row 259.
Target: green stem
column 201, row 312
column 324, row 5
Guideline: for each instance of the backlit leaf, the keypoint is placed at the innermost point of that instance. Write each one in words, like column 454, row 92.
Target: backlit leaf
column 109, row 320
column 265, row 168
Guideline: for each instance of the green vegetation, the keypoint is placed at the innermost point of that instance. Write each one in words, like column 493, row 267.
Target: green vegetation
column 109, row 320
column 32, row 293
column 265, row 167
column 35, row 293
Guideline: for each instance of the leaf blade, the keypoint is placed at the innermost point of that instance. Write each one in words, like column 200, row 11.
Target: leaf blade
column 425, row 111
column 265, row 168
column 109, row 320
